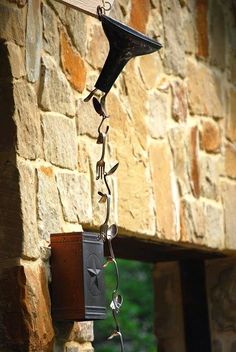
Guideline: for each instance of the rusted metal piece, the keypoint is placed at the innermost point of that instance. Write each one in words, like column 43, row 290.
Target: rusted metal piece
column 77, row 289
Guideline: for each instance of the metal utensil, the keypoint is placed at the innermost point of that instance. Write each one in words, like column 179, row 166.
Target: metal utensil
column 100, row 166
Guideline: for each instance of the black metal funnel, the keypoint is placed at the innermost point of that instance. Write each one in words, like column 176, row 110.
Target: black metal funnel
column 125, row 43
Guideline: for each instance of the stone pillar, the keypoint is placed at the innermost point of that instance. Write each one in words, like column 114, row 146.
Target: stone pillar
column 169, row 322
column 221, row 289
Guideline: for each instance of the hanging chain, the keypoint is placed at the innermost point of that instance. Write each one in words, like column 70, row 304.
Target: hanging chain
column 108, row 232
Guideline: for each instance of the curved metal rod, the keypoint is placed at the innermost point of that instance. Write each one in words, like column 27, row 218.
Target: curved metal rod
column 107, row 186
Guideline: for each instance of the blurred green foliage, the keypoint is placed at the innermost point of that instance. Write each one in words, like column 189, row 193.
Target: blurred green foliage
column 137, row 313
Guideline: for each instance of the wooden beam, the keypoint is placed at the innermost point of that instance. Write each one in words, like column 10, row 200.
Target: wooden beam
column 87, row 6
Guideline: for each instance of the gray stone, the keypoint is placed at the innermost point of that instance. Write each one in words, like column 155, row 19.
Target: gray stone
column 77, row 29
column 174, row 60
column 229, row 201
column 16, row 59
column 87, row 120
column 27, row 118
column 27, row 182
column 209, row 176
column 12, row 24
column 33, row 40
column 75, row 197
column 217, row 34
column 159, row 111
column 56, row 94
column 50, row 32
column 49, row 209
column 60, row 144
column 60, row 9
column 214, row 225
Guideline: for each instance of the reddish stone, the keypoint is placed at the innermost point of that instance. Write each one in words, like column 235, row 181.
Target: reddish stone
column 202, row 28
column 139, row 14
column 210, row 136
column 72, row 64
column 25, row 309
column 179, row 102
column 46, row 170
column 194, row 166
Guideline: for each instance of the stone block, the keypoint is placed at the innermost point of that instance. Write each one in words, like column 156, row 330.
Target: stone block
column 165, row 191
column 202, row 28
column 13, row 23
column 231, row 120
column 194, row 170
column 56, row 95
column 16, row 60
column 76, row 23
column 34, row 40
column 174, row 45
column 210, row 136
column 211, row 169
column 27, row 119
column 179, row 101
column 27, row 183
column 48, row 203
column 139, row 15
column 82, row 332
column 229, row 201
column 75, row 195
column 150, row 68
column 50, row 32
column 97, row 44
column 230, row 160
column 60, row 140
column 158, row 114
column 217, row 30
column 25, row 309
column 72, row 64
column 87, row 120
column 189, row 28
column 214, row 225
column 205, row 91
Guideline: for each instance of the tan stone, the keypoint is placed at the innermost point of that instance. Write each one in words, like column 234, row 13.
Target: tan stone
column 98, row 44
column 60, row 143
column 202, row 28
column 229, row 201
column 48, row 203
column 211, row 169
column 210, row 136
column 204, row 91
column 194, row 160
column 179, row 101
column 189, row 30
column 150, row 68
column 13, row 23
column 231, row 117
column 78, row 347
column 56, row 95
column 27, row 118
column 26, row 312
column 165, row 191
column 214, row 225
column 27, row 183
column 16, row 59
column 158, row 115
column 87, row 120
column 50, row 32
column 139, row 15
column 82, row 332
column 76, row 22
column 72, row 64
column 230, row 160
column 75, row 195
column 179, row 146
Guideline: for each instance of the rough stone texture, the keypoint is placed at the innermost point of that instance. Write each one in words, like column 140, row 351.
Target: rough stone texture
column 210, row 136
column 50, row 32
column 60, row 145
column 139, row 15
column 202, row 28
column 87, row 120
column 174, row 41
column 179, row 101
column 211, row 169
column 56, row 94
column 72, row 64
column 158, row 115
column 165, row 191
column 150, row 66
column 194, row 161
column 27, row 183
column 230, row 160
column 204, row 91
column 13, row 23
column 33, row 40
column 25, row 309
column 49, row 209
column 98, row 44
column 76, row 23
column 78, row 347
column 231, row 120
column 82, row 332
column 27, row 118
column 169, row 320
column 72, row 189
column 16, row 60
column 229, row 201
column 217, row 30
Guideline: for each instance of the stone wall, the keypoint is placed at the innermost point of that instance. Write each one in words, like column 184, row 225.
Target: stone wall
column 173, row 132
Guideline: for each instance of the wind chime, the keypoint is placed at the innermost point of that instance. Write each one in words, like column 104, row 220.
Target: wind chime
column 125, row 44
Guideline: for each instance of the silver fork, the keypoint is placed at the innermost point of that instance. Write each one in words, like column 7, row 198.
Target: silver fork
column 100, row 166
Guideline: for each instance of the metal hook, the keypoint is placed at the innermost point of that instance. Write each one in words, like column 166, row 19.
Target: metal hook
column 101, row 10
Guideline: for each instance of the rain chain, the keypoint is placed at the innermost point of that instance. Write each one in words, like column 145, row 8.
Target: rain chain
column 108, row 233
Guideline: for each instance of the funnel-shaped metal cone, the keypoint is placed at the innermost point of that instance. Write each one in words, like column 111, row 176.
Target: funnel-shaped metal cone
column 125, row 43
